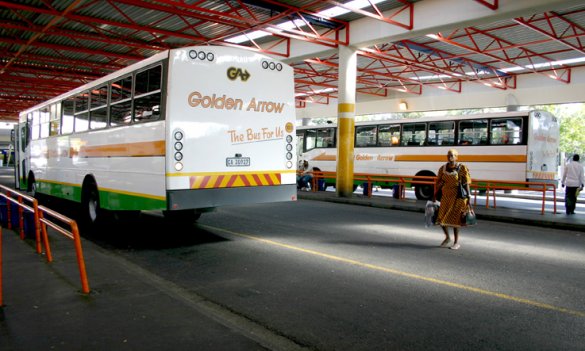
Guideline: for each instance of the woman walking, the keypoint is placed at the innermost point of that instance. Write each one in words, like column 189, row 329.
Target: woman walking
column 452, row 207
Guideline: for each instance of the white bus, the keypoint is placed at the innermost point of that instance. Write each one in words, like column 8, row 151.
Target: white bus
column 183, row 131
column 512, row 146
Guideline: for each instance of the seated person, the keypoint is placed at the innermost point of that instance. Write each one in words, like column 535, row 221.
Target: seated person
column 304, row 180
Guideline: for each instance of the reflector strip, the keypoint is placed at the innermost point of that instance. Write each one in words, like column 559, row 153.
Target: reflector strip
column 234, row 180
column 543, row 175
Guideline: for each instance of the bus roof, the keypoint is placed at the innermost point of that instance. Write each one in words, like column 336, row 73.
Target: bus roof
column 429, row 119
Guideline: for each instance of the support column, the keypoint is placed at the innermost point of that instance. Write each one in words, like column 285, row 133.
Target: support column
column 346, row 120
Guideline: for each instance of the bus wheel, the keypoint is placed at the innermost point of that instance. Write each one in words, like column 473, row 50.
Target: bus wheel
column 31, row 186
column 423, row 192
column 90, row 204
column 182, row 216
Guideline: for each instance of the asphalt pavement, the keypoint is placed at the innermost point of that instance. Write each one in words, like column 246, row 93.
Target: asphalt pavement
column 44, row 309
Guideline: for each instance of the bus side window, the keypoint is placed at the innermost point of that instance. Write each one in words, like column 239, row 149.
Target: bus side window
column 389, row 135
column 413, row 134
column 45, row 120
column 325, row 138
column 68, row 109
column 121, row 101
column 506, row 131
column 36, row 125
column 473, row 132
column 99, row 107
column 82, row 112
column 441, row 133
column 55, row 120
column 311, row 139
column 365, row 136
column 147, row 95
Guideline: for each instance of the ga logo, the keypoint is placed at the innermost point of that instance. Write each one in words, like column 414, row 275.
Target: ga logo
column 233, row 73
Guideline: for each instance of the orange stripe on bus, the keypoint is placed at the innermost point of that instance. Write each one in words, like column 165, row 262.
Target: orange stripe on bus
column 324, row 157
column 148, row 148
column 461, row 158
column 439, row 158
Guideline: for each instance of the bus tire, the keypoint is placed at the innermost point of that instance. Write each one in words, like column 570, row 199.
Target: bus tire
column 90, row 203
column 31, row 186
column 424, row 191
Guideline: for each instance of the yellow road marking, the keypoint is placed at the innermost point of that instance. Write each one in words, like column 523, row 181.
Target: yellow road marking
column 404, row 274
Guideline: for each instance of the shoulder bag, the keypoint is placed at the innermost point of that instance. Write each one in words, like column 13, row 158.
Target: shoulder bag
column 462, row 192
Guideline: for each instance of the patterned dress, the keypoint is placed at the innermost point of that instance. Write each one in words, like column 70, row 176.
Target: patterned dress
column 451, row 207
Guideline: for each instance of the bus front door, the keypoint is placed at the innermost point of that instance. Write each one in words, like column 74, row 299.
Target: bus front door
column 20, row 141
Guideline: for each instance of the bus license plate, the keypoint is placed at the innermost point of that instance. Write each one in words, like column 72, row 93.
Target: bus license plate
column 237, row 161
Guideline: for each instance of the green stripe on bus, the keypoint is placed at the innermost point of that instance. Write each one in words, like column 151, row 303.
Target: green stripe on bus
column 109, row 200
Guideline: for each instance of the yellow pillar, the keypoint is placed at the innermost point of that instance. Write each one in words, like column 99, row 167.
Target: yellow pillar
column 346, row 120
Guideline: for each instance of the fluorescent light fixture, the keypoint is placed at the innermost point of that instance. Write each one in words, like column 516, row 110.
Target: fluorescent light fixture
column 338, row 11
column 247, row 37
column 330, row 13
column 321, row 91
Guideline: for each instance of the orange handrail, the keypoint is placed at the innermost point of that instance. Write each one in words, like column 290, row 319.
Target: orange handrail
column 72, row 234
column 489, row 185
column 1, row 301
column 19, row 201
column 493, row 185
column 40, row 224
column 370, row 178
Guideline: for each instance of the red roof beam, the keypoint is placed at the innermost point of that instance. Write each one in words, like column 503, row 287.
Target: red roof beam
column 404, row 11
column 492, row 5
column 503, row 46
column 77, row 49
column 83, row 36
column 418, row 61
column 431, row 59
column 561, row 35
column 99, row 68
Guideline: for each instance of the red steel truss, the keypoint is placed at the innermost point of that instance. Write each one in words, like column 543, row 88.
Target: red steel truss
column 49, row 48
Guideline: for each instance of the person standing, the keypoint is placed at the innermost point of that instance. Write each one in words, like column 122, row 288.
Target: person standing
column 573, row 179
column 452, row 207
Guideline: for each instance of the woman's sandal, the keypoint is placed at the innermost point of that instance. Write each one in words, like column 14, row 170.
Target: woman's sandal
column 446, row 242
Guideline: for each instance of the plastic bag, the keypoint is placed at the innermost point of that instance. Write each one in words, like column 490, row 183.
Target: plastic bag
column 431, row 212
column 469, row 218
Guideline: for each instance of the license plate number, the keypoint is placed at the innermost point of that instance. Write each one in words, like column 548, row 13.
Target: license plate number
column 237, row 161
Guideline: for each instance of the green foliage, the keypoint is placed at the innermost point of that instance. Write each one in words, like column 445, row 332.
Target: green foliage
column 572, row 117
column 573, row 133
